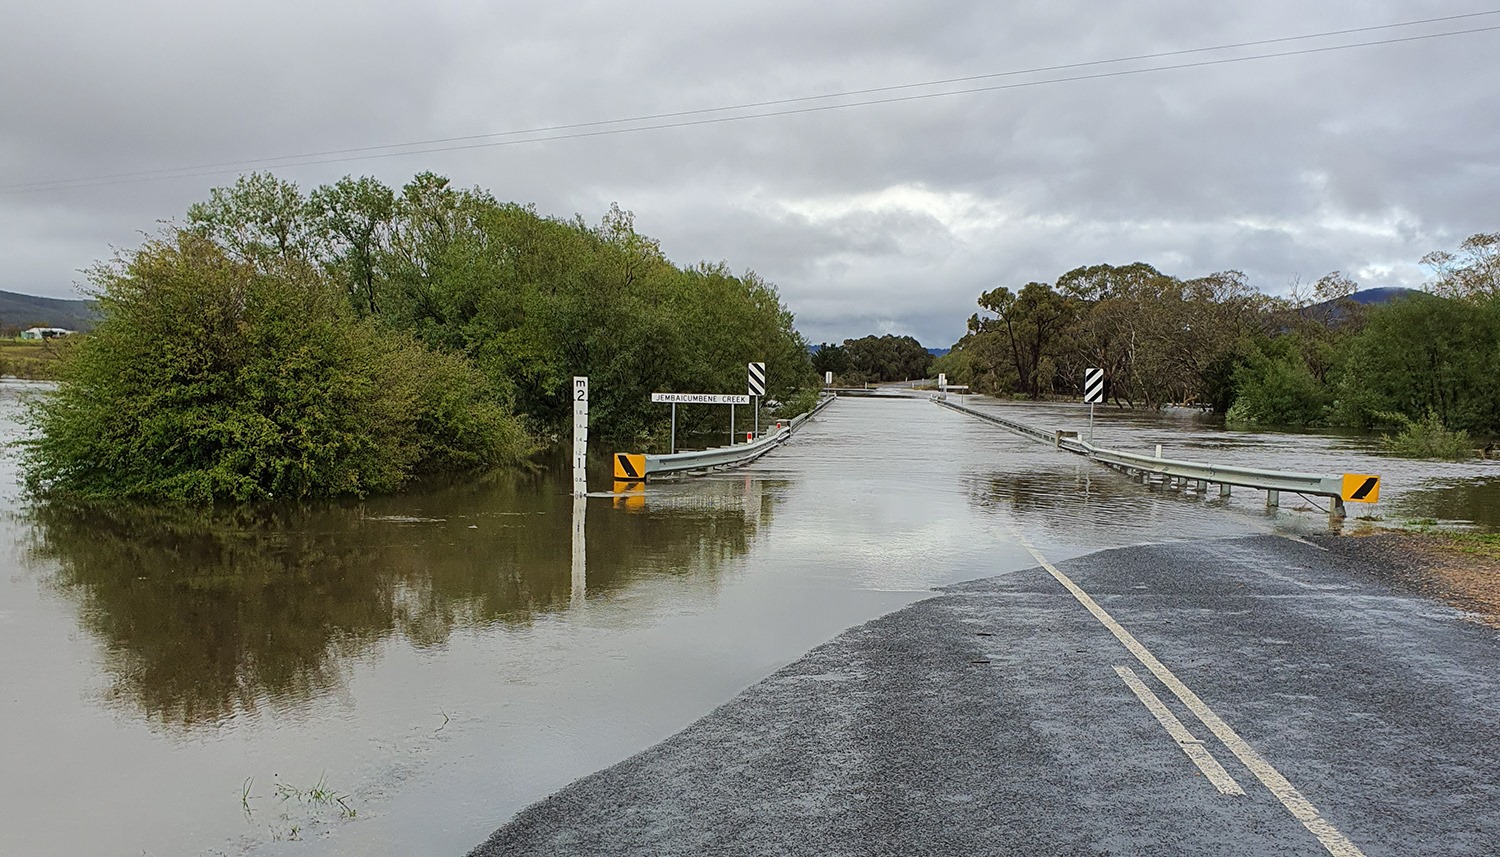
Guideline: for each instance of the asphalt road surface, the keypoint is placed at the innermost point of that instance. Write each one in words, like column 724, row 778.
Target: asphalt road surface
column 1248, row 696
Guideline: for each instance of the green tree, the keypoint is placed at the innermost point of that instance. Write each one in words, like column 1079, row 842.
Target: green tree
column 1425, row 354
column 261, row 220
column 353, row 219
column 210, row 377
column 887, row 358
column 1277, row 389
column 1030, row 321
column 831, row 358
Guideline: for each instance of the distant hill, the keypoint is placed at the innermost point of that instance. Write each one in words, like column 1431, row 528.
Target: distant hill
column 1382, row 295
column 18, row 312
column 938, row 352
column 1331, row 313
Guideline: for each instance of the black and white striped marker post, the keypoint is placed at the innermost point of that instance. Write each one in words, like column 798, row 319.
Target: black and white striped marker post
column 757, row 384
column 1093, row 393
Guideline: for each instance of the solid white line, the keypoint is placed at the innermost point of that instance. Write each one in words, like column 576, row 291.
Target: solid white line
column 1190, row 745
column 1300, row 807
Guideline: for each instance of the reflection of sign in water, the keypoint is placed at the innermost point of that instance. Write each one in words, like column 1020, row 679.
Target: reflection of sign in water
column 630, row 496
column 700, row 398
column 580, row 435
column 630, row 466
column 757, row 379
column 1361, row 487
column 1093, row 386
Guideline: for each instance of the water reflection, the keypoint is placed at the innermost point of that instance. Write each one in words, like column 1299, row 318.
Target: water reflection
column 1476, row 502
column 205, row 617
column 1459, row 492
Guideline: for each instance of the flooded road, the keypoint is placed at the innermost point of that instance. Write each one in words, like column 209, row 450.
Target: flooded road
column 401, row 675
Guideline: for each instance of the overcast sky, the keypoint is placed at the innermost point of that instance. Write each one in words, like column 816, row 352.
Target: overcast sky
column 888, row 218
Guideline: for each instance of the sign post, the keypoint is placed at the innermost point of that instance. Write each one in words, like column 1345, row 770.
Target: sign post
column 699, row 399
column 580, row 435
column 756, row 381
column 1093, row 393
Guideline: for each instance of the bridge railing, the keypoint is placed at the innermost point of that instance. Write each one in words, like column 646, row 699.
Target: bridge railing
column 1273, row 482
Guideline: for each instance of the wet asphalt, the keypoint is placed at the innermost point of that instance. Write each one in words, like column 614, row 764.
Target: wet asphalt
column 991, row 719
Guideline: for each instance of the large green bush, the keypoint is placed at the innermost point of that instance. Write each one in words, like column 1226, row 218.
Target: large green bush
column 1276, row 389
column 213, row 377
column 1426, row 438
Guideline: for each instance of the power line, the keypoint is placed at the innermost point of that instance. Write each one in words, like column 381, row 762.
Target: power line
column 576, row 130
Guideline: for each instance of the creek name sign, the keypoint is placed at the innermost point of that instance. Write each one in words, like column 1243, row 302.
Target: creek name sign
column 700, row 398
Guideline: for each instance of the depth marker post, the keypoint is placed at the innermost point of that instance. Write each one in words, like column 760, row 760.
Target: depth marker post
column 580, row 435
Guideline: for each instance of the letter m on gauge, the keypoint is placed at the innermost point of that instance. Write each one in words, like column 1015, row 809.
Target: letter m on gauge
column 757, row 379
column 1093, row 386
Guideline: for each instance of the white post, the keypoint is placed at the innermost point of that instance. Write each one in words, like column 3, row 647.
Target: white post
column 731, row 423
column 580, row 435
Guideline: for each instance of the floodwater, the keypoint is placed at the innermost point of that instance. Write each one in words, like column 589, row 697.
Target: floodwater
column 1457, row 494
column 399, row 676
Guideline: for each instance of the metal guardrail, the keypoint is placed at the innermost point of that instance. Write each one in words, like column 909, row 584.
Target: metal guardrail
column 724, row 456
column 823, row 402
column 1273, row 482
column 1018, row 428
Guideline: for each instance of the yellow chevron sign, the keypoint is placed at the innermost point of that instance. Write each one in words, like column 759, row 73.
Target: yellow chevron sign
column 1361, row 487
column 630, row 466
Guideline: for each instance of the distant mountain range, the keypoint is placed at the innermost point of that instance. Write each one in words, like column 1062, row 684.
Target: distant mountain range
column 18, row 312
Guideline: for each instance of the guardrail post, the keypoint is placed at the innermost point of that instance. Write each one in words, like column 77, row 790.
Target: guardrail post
column 1223, row 489
column 1273, row 499
column 1337, row 509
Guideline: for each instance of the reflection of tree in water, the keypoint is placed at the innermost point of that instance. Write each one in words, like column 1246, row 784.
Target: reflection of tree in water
column 205, row 615
column 1026, row 492
column 1475, row 500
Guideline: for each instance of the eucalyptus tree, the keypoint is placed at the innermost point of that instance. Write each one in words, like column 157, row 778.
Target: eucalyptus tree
column 1031, row 323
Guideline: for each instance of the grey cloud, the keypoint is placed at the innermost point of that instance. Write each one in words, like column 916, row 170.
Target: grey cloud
column 1356, row 160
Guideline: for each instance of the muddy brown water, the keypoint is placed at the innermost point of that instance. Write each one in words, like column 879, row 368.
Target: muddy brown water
column 176, row 683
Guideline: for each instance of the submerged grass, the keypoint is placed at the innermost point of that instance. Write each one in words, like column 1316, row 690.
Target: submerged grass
column 318, row 795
